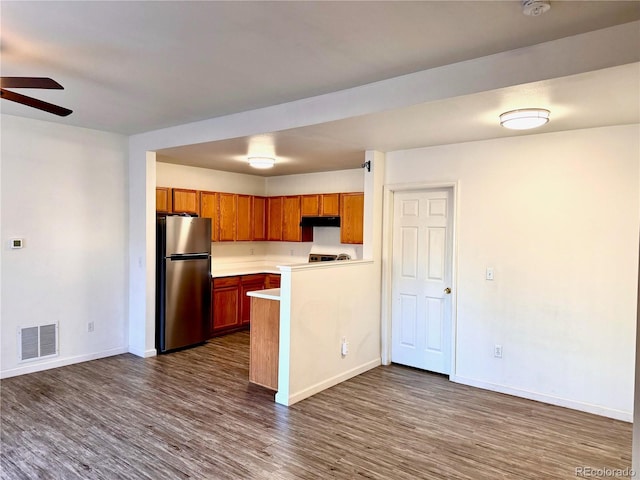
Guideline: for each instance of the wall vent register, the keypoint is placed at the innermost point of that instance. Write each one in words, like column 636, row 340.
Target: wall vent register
column 38, row 342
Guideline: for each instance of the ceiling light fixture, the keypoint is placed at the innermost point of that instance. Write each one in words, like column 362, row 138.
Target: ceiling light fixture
column 535, row 8
column 261, row 162
column 524, row 118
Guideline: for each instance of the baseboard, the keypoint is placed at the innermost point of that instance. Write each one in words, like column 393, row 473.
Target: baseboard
column 550, row 399
column 142, row 353
column 60, row 362
column 330, row 382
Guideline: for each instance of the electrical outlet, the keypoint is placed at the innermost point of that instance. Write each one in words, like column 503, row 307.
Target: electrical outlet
column 291, row 251
column 497, row 351
column 251, row 251
column 90, row 327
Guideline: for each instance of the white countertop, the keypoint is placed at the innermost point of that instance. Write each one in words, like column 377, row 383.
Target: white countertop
column 269, row 294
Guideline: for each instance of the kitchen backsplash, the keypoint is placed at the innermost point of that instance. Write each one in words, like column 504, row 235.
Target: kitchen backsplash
column 326, row 240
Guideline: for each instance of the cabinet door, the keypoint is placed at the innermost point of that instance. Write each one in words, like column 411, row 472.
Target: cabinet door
column 274, row 218
column 291, row 231
column 249, row 283
column 163, row 200
column 244, row 217
column 272, row 281
column 351, row 217
column 209, row 209
column 330, row 205
column 310, row 205
column 225, row 304
column 227, row 208
column 259, row 227
column 185, row 201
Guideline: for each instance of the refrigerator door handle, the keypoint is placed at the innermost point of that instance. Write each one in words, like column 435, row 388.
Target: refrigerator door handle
column 188, row 256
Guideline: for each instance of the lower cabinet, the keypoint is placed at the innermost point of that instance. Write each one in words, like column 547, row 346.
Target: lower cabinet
column 249, row 283
column 230, row 305
column 225, row 304
column 272, row 281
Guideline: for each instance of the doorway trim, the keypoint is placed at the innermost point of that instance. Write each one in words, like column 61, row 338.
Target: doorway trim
column 387, row 257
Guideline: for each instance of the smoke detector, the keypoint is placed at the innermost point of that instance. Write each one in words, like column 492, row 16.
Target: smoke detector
column 535, row 8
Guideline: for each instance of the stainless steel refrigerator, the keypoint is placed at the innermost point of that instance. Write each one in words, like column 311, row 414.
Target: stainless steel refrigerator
column 183, row 281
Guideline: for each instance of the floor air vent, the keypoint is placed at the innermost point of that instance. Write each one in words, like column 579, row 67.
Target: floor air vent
column 38, row 342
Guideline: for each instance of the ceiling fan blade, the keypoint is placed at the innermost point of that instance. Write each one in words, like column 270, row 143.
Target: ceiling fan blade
column 35, row 103
column 29, row 82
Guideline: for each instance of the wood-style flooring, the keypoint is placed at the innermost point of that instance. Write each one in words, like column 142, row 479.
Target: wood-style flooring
column 193, row 414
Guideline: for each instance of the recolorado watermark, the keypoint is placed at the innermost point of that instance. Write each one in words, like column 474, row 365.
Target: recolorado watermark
column 604, row 472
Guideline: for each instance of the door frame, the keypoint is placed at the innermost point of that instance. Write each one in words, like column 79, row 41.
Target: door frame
column 387, row 257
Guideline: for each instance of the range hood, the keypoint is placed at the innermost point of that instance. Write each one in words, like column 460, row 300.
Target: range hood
column 320, row 222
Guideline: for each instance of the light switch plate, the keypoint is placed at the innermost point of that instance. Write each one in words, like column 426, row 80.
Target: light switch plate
column 489, row 275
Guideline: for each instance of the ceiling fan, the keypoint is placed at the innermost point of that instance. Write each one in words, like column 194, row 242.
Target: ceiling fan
column 32, row 82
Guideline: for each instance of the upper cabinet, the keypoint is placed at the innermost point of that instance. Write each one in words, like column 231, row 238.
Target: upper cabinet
column 274, row 218
column 323, row 205
column 238, row 217
column 244, row 218
column 351, row 217
column 185, row 201
column 259, row 222
column 227, row 216
column 330, row 204
column 292, row 214
column 310, row 205
column 209, row 209
column 163, row 200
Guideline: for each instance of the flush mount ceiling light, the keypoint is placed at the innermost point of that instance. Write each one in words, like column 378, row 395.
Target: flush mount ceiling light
column 261, row 162
column 535, row 8
column 524, row 118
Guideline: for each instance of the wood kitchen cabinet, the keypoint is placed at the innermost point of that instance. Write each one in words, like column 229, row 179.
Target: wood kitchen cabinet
column 225, row 305
column 291, row 216
column 272, row 280
column 230, row 305
column 227, row 216
column 259, row 221
column 249, row 283
column 274, row 218
column 264, row 345
column 322, row 205
column 209, row 209
column 291, row 231
column 351, row 217
column 310, row 205
column 330, row 205
column 244, row 218
column 185, row 201
column 163, row 200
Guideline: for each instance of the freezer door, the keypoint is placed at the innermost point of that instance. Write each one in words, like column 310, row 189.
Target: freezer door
column 187, row 303
column 187, row 235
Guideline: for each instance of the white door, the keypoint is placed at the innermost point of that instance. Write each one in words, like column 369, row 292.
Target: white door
column 421, row 279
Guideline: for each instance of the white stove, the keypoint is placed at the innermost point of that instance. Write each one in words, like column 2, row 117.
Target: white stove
column 327, row 257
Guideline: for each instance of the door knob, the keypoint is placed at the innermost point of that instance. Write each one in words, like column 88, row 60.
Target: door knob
column 447, row 290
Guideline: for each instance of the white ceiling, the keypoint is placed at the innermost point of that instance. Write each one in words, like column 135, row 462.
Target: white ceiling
column 132, row 67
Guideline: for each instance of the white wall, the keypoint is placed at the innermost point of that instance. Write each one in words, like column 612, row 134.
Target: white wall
column 556, row 216
column 636, row 409
column 320, row 305
column 321, row 182
column 64, row 190
column 182, row 176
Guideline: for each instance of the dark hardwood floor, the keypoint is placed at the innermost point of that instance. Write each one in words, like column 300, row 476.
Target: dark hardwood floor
column 193, row 414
